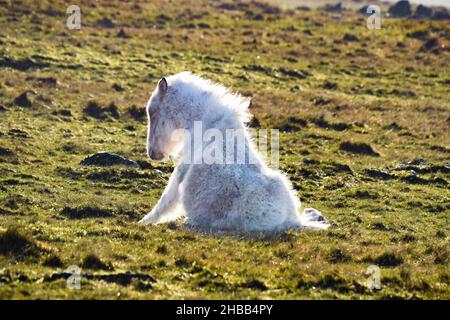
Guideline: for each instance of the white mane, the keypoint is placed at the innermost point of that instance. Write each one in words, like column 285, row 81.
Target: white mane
column 210, row 93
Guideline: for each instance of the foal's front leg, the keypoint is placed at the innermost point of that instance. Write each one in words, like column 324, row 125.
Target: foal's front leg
column 168, row 200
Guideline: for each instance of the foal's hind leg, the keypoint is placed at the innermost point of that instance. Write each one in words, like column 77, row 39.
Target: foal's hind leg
column 163, row 211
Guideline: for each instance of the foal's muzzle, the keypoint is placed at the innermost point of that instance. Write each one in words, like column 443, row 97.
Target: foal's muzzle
column 155, row 155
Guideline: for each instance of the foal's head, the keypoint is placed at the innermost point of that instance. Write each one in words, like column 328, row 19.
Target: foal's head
column 163, row 121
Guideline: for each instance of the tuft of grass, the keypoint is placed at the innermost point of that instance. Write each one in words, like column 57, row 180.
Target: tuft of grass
column 14, row 243
column 93, row 262
column 85, row 212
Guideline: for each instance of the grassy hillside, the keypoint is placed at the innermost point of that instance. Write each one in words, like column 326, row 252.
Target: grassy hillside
column 364, row 115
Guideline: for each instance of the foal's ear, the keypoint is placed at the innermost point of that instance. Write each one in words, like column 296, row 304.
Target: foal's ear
column 162, row 85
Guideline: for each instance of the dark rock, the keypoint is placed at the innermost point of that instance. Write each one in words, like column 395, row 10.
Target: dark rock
column 4, row 152
column 123, row 34
column 47, row 81
column 138, row 114
column 292, row 124
column 117, row 87
column 23, row 100
column 62, row 112
column 418, row 161
column 363, row 10
column 113, row 110
column 303, row 8
column 393, row 126
column 94, row 110
column 358, row 148
column 254, row 123
column 430, row 44
column 107, row 23
column 53, row 261
column 387, row 260
column 255, row 284
column 15, row 244
column 123, row 279
column 323, row 123
column 419, row 34
column 334, row 7
column 379, row 174
column 423, row 12
column 330, row 85
column 350, row 38
column 441, row 14
column 106, row 159
column 293, row 73
column 93, row 262
column 85, row 212
column 22, row 64
column 400, row 9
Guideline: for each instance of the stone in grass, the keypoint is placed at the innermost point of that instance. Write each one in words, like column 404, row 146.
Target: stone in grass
column 23, row 100
column 400, row 9
column 358, row 148
column 14, row 243
column 91, row 261
column 107, row 159
column 379, row 174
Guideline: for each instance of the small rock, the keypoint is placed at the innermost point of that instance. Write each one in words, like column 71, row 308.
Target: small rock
column 379, row 174
column 334, row 8
column 137, row 113
column 106, row 159
column 123, row 34
column 358, row 148
column 117, row 87
column 23, row 100
column 350, row 38
column 423, row 12
column 401, row 9
column 107, row 23
column 430, row 44
column 441, row 14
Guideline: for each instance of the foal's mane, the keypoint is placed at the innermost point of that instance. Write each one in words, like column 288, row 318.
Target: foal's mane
column 212, row 93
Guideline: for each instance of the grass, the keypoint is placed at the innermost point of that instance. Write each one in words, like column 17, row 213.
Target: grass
column 364, row 138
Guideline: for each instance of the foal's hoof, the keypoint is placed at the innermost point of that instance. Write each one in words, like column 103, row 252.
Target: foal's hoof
column 312, row 214
column 148, row 219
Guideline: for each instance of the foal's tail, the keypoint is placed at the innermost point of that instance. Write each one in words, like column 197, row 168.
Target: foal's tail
column 312, row 218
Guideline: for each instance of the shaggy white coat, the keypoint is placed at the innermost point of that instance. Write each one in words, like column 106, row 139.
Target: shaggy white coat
column 226, row 197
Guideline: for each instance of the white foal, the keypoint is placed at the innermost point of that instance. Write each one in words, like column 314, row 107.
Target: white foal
column 216, row 195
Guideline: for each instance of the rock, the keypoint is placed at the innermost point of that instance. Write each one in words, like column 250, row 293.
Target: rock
column 358, row 148
column 430, row 44
column 419, row 161
column 423, row 12
column 93, row 109
column 117, row 87
column 350, row 38
column 401, row 9
column 22, row 64
column 106, row 159
column 363, row 10
column 123, row 34
column 138, row 114
column 5, row 152
column 334, row 8
column 441, row 14
column 329, row 85
column 23, row 100
column 107, row 23
column 379, row 174
column 294, row 73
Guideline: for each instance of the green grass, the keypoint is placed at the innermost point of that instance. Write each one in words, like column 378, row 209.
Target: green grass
column 328, row 96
